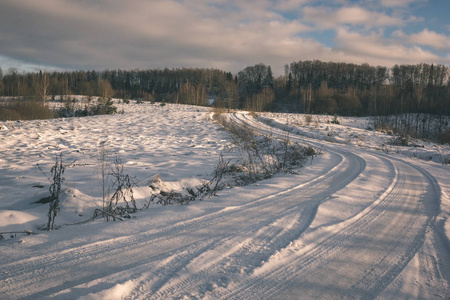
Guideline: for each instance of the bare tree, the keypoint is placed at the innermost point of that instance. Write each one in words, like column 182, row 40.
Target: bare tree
column 44, row 87
column 105, row 89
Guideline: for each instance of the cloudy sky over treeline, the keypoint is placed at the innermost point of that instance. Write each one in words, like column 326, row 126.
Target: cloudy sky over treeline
column 225, row 34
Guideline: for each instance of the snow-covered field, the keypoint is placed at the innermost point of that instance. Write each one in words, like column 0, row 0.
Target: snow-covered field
column 361, row 220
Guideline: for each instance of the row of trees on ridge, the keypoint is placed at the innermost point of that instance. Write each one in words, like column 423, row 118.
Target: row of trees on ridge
column 305, row 87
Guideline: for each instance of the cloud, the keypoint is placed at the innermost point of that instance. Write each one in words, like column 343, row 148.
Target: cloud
column 327, row 18
column 439, row 42
column 289, row 5
column 142, row 34
column 225, row 34
column 431, row 38
column 399, row 3
column 376, row 49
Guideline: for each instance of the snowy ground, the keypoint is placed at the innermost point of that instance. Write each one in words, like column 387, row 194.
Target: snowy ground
column 356, row 131
column 361, row 220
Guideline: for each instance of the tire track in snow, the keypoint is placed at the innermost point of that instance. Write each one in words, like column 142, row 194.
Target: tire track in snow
column 333, row 268
column 268, row 239
column 194, row 280
column 77, row 267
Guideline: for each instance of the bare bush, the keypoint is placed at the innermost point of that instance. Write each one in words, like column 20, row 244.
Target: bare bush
column 444, row 137
column 401, row 139
column 117, row 194
column 103, row 161
column 56, row 179
column 259, row 156
column 23, row 109
column 251, row 157
column 335, row 120
column 218, row 110
column 308, row 119
column 424, row 126
column 184, row 196
column 123, row 193
column 57, row 172
column 253, row 114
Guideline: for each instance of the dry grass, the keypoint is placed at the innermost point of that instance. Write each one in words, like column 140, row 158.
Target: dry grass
column 218, row 110
column 253, row 114
column 308, row 119
column 24, row 110
column 444, row 137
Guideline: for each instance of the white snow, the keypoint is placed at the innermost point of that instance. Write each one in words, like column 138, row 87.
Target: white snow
column 118, row 291
column 354, row 131
column 361, row 220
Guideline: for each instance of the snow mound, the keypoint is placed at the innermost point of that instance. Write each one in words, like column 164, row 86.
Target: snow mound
column 11, row 217
column 119, row 291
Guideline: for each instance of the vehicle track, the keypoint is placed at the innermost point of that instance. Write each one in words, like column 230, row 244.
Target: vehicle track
column 362, row 256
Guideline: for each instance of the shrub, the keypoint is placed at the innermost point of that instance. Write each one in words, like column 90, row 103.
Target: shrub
column 103, row 107
column 56, row 179
column 349, row 104
column 444, row 137
column 123, row 192
column 335, row 120
column 7, row 114
column 19, row 109
column 434, row 128
column 308, row 119
column 218, row 110
column 259, row 156
column 326, row 105
column 402, row 139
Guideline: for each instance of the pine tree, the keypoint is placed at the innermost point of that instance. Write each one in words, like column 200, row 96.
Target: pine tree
column 268, row 80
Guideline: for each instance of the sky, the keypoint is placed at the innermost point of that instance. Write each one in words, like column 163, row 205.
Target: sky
column 225, row 34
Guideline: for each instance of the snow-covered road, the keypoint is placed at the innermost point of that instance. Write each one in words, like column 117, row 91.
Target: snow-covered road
column 360, row 253
column 354, row 224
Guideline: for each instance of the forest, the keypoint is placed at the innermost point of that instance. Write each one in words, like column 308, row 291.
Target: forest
column 305, row 87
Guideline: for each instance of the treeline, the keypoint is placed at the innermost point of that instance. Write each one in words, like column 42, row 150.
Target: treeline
column 350, row 89
column 152, row 85
column 306, row 87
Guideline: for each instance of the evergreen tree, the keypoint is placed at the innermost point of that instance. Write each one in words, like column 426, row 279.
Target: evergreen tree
column 268, row 79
